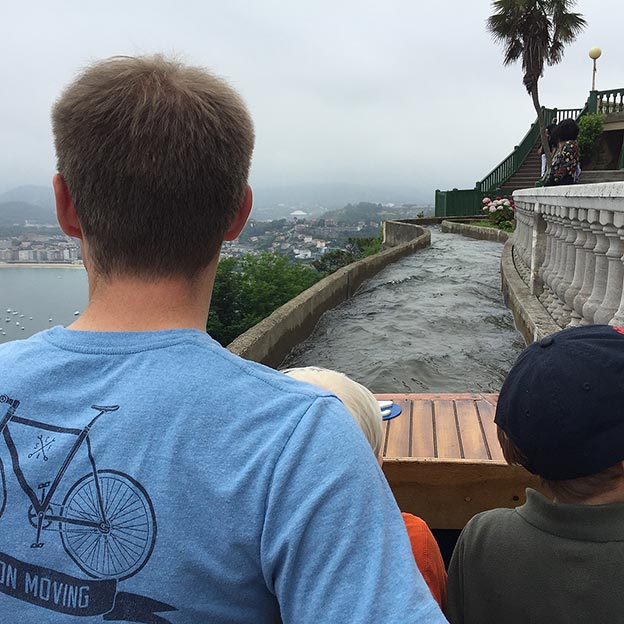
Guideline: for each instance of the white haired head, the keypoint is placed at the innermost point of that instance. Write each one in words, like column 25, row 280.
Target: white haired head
column 359, row 400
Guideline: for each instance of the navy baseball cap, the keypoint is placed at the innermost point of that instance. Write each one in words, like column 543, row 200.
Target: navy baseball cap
column 562, row 403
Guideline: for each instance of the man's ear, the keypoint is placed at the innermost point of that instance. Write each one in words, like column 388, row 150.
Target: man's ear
column 65, row 208
column 242, row 214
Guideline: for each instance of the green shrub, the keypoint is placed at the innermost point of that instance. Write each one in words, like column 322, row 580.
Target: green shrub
column 590, row 129
column 249, row 288
column 356, row 249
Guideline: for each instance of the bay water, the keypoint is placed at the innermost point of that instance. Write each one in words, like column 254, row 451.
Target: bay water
column 38, row 294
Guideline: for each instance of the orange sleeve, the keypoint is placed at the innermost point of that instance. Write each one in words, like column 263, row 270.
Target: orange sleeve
column 428, row 557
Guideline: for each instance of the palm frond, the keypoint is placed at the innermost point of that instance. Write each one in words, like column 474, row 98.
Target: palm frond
column 513, row 51
column 535, row 31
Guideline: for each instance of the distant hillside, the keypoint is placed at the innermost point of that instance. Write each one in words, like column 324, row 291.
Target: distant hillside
column 36, row 195
column 279, row 202
column 365, row 211
column 19, row 212
column 33, row 204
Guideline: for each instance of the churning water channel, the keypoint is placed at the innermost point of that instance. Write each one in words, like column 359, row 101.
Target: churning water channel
column 434, row 321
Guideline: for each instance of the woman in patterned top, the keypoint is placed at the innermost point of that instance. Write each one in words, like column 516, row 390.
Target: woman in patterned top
column 565, row 168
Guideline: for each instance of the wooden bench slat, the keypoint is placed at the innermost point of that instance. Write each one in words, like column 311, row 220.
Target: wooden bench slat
column 400, row 431
column 486, row 415
column 423, row 442
column 446, row 432
column 472, row 435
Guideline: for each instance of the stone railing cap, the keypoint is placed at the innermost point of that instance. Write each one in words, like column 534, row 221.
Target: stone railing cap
column 601, row 190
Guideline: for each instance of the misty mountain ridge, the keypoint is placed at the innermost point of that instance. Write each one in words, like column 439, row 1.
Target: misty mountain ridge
column 315, row 199
column 32, row 204
column 42, row 196
column 18, row 213
column 35, row 204
column 366, row 211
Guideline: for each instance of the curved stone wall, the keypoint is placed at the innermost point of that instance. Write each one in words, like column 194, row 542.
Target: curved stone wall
column 475, row 231
column 271, row 340
column 531, row 318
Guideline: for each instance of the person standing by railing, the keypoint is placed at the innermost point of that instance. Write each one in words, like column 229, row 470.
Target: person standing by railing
column 552, row 144
column 565, row 168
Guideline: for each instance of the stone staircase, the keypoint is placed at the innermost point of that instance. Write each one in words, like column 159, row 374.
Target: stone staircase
column 526, row 177
column 529, row 174
column 593, row 177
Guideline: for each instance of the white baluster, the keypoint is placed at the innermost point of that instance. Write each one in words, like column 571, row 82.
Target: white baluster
column 566, row 268
column 600, row 272
column 557, row 274
column 563, row 312
column 618, row 318
column 551, row 248
column 613, row 291
column 590, row 268
column 579, row 267
column 537, row 245
column 615, row 277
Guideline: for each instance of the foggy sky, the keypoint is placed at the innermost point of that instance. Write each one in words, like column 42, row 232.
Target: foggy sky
column 394, row 93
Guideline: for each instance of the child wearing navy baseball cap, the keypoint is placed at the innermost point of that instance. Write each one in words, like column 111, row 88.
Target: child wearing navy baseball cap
column 560, row 414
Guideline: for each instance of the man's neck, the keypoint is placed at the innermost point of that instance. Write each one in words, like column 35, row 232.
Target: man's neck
column 133, row 304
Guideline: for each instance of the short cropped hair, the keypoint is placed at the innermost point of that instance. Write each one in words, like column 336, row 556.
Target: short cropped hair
column 156, row 156
column 573, row 491
column 567, row 130
column 358, row 400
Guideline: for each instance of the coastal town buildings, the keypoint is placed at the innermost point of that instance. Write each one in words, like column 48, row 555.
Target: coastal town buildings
column 40, row 248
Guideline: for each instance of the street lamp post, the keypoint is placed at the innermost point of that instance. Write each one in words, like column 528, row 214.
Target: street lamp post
column 594, row 54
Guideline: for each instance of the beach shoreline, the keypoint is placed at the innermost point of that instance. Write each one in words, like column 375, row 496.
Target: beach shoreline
column 42, row 265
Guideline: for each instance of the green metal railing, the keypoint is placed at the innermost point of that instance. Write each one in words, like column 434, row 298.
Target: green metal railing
column 458, row 203
column 502, row 172
column 567, row 113
column 607, row 102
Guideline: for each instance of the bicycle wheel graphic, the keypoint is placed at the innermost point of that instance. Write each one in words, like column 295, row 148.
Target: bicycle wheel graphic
column 2, row 489
column 119, row 545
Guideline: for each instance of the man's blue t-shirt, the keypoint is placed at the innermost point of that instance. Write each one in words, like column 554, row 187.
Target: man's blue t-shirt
column 156, row 477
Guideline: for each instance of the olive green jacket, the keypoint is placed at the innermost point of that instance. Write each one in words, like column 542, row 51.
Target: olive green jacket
column 543, row 562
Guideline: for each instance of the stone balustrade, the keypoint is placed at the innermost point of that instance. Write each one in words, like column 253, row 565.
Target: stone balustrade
column 568, row 248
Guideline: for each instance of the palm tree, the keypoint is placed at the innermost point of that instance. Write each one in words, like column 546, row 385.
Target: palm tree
column 535, row 31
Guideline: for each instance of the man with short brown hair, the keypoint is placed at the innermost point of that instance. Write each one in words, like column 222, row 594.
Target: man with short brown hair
column 146, row 473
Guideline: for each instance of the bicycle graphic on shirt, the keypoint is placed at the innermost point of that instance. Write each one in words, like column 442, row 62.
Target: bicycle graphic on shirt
column 106, row 521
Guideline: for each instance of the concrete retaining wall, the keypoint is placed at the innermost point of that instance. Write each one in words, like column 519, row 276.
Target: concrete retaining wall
column 272, row 339
column 532, row 319
column 474, row 231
